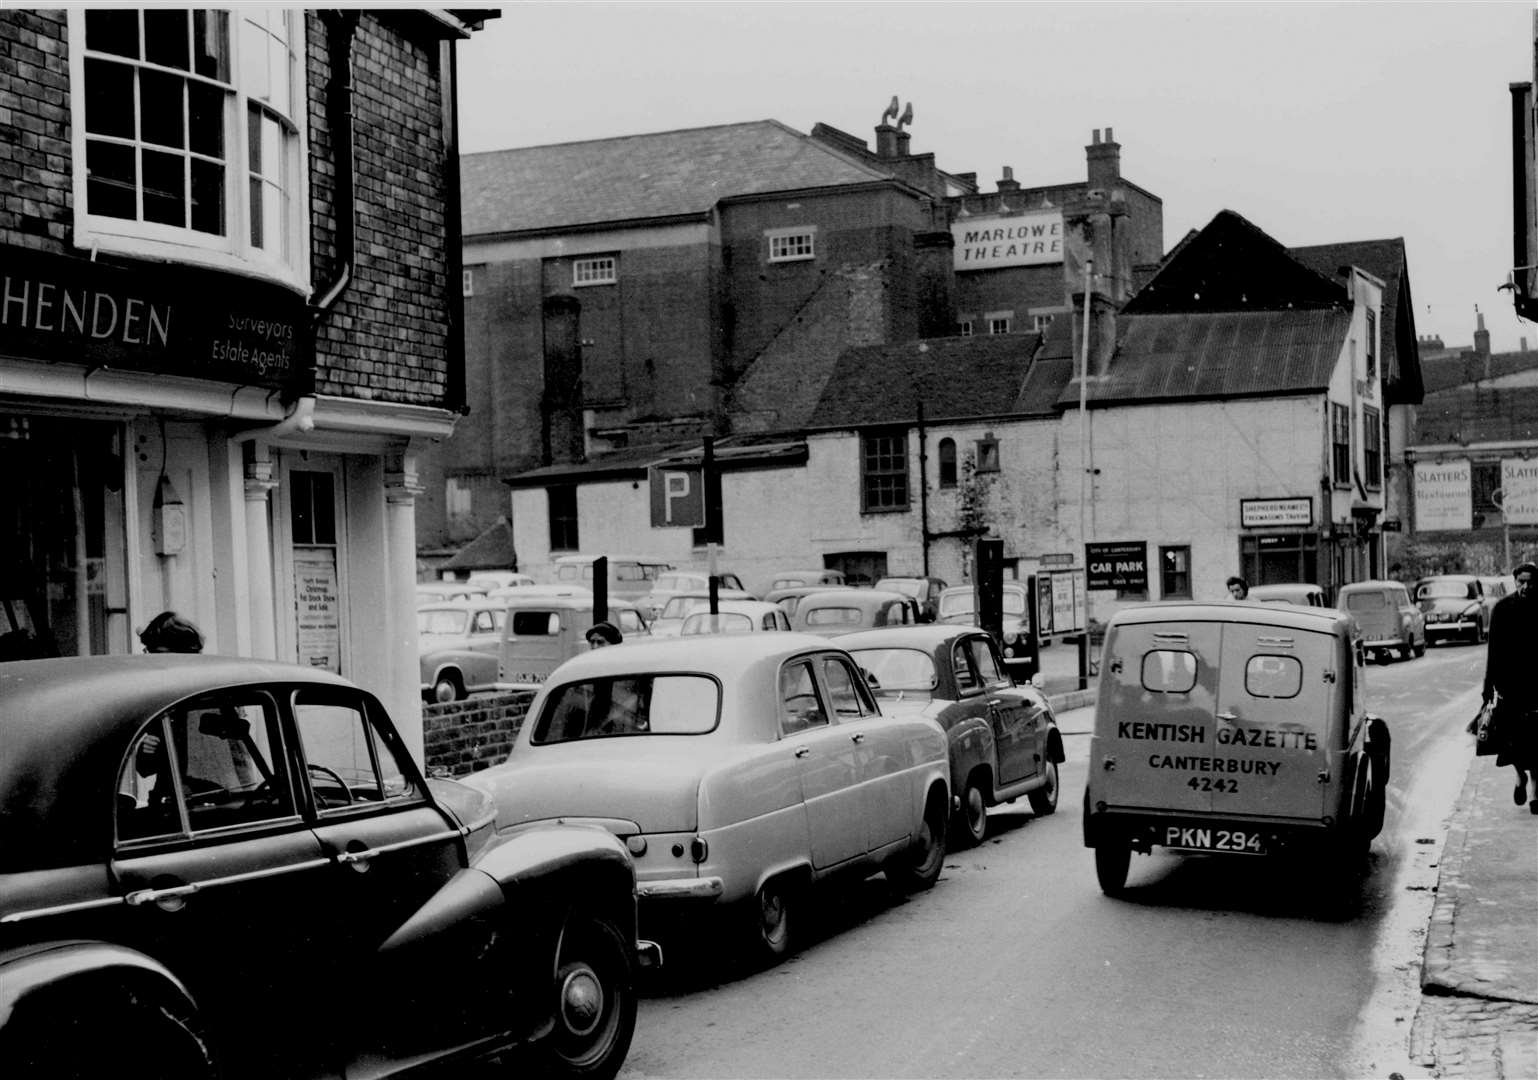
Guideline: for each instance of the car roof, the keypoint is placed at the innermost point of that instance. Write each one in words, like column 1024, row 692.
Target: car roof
column 860, row 598
column 952, row 589
column 66, row 723
column 925, row 636
column 725, row 655
column 1243, row 611
column 583, row 602
column 479, row 604
column 1362, row 586
column 649, row 560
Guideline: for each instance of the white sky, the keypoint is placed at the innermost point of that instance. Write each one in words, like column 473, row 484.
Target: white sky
column 1319, row 122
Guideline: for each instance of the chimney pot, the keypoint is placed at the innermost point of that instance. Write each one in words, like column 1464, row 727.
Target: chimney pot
column 1095, row 137
column 1108, row 135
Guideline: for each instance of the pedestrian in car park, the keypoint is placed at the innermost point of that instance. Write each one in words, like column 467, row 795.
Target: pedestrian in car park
column 169, row 632
column 603, row 633
column 1238, row 588
column 1513, row 686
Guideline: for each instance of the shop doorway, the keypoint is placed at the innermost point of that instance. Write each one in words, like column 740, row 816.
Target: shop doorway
column 310, row 538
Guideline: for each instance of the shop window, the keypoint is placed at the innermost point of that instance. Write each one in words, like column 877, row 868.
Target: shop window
column 563, row 517
column 597, row 271
column 1372, row 446
column 792, row 245
column 1279, row 558
column 884, row 471
column 947, row 455
column 190, row 128
column 987, row 454
column 1175, row 573
column 1340, row 444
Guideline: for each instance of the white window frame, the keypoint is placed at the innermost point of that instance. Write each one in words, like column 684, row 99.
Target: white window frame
column 964, row 327
column 596, row 270
column 232, row 251
column 1040, row 323
column 992, row 320
column 467, row 282
column 798, row 244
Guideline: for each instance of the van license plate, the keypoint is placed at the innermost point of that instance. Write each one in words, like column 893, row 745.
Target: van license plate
column 1205, row 838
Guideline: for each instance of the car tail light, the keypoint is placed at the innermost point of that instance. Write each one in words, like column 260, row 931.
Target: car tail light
column 699, row 849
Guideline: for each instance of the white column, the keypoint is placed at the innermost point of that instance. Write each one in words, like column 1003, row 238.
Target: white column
column 260, row 482
column 401, row 490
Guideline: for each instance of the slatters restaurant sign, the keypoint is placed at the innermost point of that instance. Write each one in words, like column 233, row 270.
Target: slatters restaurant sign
column 168, row 320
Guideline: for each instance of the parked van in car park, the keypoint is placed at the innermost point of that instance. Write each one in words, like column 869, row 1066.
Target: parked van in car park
column 1237, row 729
column 672, row 582
column 926, row 590
column 1455, row 606
column 1387, row 619
column 630, row 576
column 541, row 633
column 1292, row 592
column 458, row 643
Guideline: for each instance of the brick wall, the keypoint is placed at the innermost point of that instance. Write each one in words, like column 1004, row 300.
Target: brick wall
column 463, row 737
column 386, row 339
column 36, row 198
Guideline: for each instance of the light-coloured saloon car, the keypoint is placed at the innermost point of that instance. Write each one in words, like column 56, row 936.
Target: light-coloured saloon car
column 738, row 769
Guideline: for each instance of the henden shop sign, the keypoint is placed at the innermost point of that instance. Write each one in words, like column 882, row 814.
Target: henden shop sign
column 993, row 241
column 1120, row 564
column 169, row 320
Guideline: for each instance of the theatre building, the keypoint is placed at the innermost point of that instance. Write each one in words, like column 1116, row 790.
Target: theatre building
column 225, row 328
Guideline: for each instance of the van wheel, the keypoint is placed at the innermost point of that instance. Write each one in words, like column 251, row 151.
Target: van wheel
column 1112, row 860
column 972, row 819
column 448, row 688
column 1044, row 799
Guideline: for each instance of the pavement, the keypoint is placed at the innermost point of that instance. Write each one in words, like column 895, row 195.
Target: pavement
column 1478, row 1012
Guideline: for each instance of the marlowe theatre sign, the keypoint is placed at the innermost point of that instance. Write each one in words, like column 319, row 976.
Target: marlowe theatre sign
column 991, row 241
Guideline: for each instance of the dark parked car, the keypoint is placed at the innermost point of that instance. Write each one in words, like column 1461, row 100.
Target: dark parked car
column 1003, row 738
column 218, row 867
column 926, row 590
column 1456, row 606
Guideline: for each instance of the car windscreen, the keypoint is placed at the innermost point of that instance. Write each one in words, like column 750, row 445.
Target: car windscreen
column 907, row 586
column 1445, row 590
column 679, row 606
column 1014, row 602
column 628, row 705
column 957, row 603
column 441, row 621
column 897, row 669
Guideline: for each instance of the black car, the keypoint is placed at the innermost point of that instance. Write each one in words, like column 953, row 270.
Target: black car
column 219, row 867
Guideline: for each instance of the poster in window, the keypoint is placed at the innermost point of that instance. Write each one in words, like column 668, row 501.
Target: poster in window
column 318, row 607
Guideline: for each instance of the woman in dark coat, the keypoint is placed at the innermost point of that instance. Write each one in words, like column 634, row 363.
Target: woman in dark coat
column 1511, row 672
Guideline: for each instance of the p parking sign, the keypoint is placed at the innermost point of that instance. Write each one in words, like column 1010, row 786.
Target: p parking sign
column 677, row 496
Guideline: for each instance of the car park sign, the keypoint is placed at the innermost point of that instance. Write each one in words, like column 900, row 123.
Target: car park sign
column 1119, row 564
column 677, row 496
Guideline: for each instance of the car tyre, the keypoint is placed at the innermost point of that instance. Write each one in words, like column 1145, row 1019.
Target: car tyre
column 972, row 818
column 919, row 867
column 595, row 1008
column 1420, row 650
column 448, row 688
column 772, row 918
column 1044, row 799
column 1113, row 858
column 69, row 1044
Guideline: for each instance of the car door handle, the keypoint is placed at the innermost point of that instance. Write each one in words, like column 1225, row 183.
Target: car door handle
column 171, row 898
column 857, row 737
column 802, row 751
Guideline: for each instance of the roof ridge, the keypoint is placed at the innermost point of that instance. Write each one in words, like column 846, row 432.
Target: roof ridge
column 632, row 136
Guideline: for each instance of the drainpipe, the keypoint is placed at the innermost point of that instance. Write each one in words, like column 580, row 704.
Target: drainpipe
column 923, row 487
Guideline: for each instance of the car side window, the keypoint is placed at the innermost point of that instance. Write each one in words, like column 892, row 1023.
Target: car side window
column 206, row 765
column 841, row 680
column 347, row 762
column 800, row 707
column 986, row 661
column 485, row 623
column 966, row 678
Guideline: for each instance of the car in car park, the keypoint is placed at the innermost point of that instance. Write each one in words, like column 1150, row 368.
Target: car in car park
column 958, row 606
column 925, row 590
column 739, row 770
column 789, row 597
column 843, row 611
column 735, row 617
column 1235, row 729
column 234, row 868
column 490, row 580
column 1387, row 620
column 1304, row 594
column 1455, row 606
column 542, row 632
column 812, row 575
column 433, row 592
column 679, row 607
column 458, row 642
column 630, row 577
column 1004, row 741
column 672, row 582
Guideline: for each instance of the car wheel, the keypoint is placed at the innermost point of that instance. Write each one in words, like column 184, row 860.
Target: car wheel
column 69, row 1043
column 1113, row 858
column 1044, row 799
column 919, row 867
column 1420, row 649
column 595, row 1008
column 448, row 688
column 972, row 818
column 771, row 918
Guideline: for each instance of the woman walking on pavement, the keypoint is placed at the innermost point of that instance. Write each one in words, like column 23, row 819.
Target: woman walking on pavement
column 1508, row 672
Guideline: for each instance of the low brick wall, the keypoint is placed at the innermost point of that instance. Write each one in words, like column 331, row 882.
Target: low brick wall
column 463, row 737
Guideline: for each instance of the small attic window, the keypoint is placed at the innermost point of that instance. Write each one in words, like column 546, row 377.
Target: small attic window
column 599, row 271
column 792, row 245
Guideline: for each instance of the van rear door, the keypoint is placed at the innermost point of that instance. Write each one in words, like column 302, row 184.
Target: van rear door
column 1158, row 724
column 534, row 643
column 1278, row 689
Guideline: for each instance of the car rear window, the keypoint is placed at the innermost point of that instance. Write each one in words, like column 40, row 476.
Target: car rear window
column 628, row 705
column 896, row 669
column 1445, row 590
column 833, row 616
column 1366, row 601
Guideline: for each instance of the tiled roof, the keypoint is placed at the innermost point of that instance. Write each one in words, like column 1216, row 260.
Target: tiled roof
column 1465, row 414
column 1468, row 367
column 491, row 550
column 1194, row 355
column 637, row 177
column 1384, row 259
column 956, row 378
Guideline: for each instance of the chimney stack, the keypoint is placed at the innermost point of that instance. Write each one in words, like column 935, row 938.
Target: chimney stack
column 1008, row 183
column 888, row 141
column 902, row 142
column 1104, row 161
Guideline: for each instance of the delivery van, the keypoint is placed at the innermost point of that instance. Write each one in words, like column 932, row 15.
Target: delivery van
column 1233, row 728
column 540, row 633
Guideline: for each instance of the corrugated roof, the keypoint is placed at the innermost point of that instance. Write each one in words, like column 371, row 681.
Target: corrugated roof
column 956, row 378
column 1197, row 355
column 636, row 177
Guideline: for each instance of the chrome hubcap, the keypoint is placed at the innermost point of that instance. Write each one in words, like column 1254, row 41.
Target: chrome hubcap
column 581, row 1000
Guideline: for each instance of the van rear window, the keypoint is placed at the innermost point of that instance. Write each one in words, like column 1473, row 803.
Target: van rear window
column 1273, row 676
column 1169, row 671
column 536, row 623
column 1366, row 601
